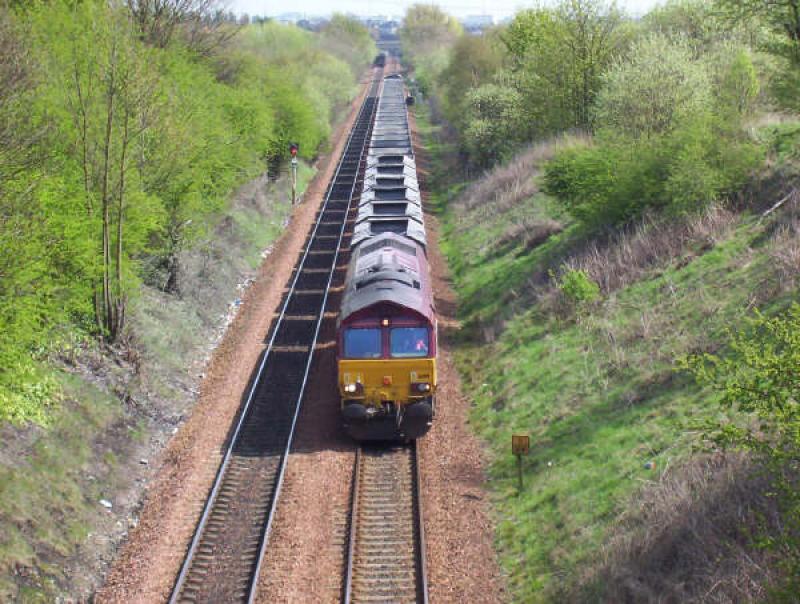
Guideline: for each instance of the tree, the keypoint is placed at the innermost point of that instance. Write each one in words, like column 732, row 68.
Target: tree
column 492, row 123
column 427, row 27
column 558, row 57
column 473, row 61
column 653, row 91
column 347, row 38
column 427, row 35
column 111, row 97
column 781, row 16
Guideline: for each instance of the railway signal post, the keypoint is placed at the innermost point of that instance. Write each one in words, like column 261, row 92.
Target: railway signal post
column 520, row 445
column 293, row 147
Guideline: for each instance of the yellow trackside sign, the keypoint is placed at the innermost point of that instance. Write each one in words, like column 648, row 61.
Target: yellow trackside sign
column 520, row 444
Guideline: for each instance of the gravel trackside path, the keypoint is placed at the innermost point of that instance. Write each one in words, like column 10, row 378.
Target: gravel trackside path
column 462, row 564
column 146, row 566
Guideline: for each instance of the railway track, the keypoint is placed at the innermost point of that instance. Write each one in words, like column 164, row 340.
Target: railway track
column 386, row 558
column 224, row 558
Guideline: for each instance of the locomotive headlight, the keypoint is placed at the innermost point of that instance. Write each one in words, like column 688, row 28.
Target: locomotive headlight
column 355, row 388
column 421, row 387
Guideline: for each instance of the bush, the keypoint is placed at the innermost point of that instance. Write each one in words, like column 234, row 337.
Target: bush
column 661, row 141
column 653, row 91
column 759, row 378
column 577, row 287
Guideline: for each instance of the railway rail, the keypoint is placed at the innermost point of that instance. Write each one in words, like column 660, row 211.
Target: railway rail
column 386, row 557
column 224, row 557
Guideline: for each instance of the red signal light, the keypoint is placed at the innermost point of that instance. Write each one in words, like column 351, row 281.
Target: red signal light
column 293, row 147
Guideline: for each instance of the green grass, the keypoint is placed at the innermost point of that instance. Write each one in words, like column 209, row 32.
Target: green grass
column 46, row 508
column 598, row 393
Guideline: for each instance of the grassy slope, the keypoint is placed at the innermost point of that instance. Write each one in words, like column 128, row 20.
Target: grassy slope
column 50, row 501
column 597, row 392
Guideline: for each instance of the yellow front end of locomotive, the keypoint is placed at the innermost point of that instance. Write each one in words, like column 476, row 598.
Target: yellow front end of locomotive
column 376, row 382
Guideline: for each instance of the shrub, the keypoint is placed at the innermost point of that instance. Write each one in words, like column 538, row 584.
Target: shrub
column 653, row 91
column 577, row 287
column 760, row 379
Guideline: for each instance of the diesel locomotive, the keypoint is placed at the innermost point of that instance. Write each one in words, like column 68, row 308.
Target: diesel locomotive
column 386, row 330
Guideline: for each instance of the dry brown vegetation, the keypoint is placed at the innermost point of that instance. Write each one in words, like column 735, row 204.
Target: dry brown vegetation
column 627, row 256
column 785, row 243
column 504, row 187
column 691, row 536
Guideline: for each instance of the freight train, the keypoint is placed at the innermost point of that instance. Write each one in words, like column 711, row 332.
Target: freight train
column 386, row 330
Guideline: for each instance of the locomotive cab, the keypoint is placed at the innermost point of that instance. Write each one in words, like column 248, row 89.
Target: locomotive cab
column 387, row 373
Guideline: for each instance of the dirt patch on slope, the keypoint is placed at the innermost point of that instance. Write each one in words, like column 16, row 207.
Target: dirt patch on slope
column 462, row 564
column 146, row 567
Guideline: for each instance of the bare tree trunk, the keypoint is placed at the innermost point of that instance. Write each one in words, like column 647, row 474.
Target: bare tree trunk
column 120, row 299
column 110, row 97
column 82, row 123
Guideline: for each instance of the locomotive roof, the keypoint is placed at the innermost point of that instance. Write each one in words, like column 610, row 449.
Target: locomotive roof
column 390, row 270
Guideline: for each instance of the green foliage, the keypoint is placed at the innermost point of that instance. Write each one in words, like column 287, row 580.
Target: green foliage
column 560, row 55
column 759, row 376
column 493, row 121
column 116, row 156
column 26, row 393
column 473, row 61
column 426, row 36
column 759, row 379
column 346, row 38
column 782, row 17
column 544, row 69
column 577, row 287
column 426, row 27
column 654, row 91
column 664, row 140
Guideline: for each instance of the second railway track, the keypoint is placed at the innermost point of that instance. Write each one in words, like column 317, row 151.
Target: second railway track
column 225, row 554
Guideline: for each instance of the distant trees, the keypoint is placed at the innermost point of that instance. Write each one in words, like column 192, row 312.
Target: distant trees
column 546, row 66
column 426, row 35
column 348, row 39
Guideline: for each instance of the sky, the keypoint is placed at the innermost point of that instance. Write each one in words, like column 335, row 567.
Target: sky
column 460, row 8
